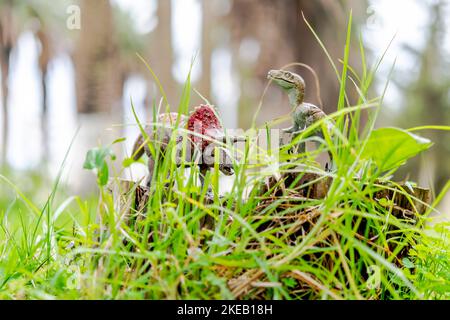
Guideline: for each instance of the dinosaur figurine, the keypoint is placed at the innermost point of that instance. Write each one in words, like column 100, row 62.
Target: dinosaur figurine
column 304, row 114
column 202, row 120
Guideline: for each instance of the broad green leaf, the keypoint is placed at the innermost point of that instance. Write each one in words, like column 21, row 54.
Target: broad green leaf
column 391, row 147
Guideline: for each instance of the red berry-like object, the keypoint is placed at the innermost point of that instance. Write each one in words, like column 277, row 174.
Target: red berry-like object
column 200, row 121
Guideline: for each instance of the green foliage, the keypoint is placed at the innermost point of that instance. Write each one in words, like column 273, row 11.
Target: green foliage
column 431, row 258
column 96, row 160
column 391, row 147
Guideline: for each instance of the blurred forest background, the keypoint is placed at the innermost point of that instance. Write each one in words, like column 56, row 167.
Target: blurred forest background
column 57, row 76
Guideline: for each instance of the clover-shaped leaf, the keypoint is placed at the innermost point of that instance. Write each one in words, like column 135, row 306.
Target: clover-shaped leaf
column 96, row 161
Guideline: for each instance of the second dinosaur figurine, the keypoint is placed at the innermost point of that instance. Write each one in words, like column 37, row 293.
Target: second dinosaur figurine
column 303, row 114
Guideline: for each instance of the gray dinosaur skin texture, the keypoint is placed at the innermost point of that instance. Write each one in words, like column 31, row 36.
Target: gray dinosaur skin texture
column 160, row 137
column 303, row 114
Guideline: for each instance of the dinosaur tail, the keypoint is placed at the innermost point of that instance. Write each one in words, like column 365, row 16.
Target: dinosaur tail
column 138, row 148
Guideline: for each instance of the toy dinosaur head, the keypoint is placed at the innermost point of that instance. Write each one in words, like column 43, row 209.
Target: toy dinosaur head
column 291, row 82
column 286, row 79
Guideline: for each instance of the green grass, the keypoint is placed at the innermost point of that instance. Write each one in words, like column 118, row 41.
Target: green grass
column 272, row 244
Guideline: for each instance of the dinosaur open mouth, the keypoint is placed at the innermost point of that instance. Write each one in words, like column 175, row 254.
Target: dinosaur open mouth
column 272, row 76
column 284, row 79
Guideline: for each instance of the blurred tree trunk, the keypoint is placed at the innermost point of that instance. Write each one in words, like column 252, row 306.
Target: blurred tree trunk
column 5, row 56
column 98, row 82
column 99, row 85
column 37, row 12
column 207, row 49
column 44, row 60
column 161, row 54
column 427, row 100
column 7, row 40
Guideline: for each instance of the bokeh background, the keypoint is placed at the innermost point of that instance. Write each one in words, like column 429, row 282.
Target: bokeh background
column 69, row 70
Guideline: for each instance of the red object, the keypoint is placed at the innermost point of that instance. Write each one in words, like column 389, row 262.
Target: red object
column 203, row 121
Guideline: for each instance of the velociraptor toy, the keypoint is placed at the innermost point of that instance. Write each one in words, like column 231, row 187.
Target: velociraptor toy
column 304, row 114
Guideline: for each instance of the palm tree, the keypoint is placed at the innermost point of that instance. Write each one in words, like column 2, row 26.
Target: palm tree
column 96, row 58
column 207, row 48
column 161, row 53
column 130, row 42
column 43, row 15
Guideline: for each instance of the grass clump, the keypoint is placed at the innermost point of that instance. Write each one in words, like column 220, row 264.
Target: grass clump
column 273, row 235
